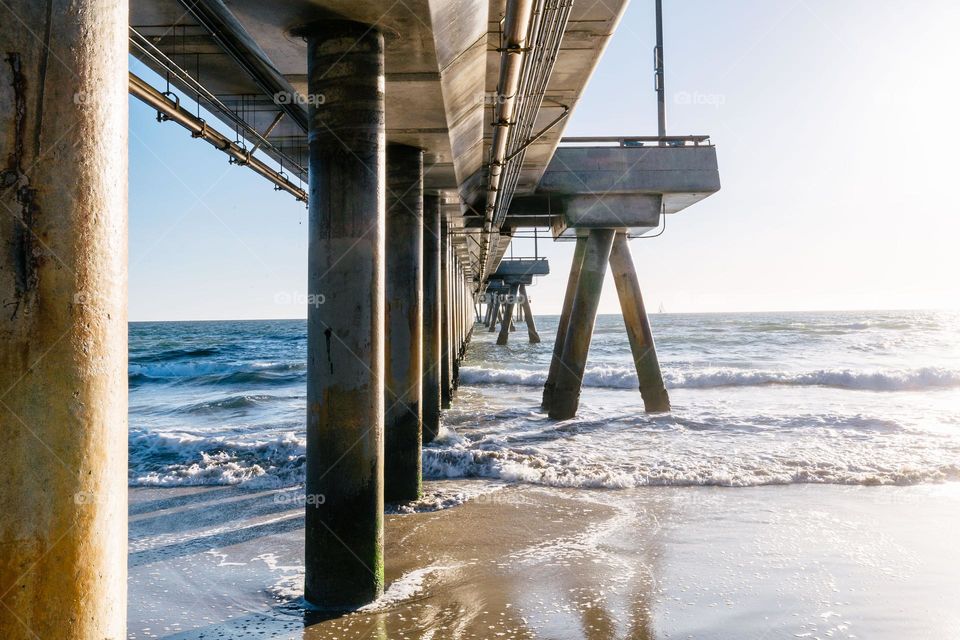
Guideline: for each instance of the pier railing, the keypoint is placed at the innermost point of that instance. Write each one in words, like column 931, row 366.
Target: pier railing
column 639, row 141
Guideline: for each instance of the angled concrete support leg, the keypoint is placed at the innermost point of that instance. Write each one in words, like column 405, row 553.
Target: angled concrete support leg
column 654, row 393
column 528, row 314
column 508, row 306
column 575, row 266
column 566, row 394
column 431, row 318
column 497, row 310
column 404, row 318
column 344, row 514
column 63, row 327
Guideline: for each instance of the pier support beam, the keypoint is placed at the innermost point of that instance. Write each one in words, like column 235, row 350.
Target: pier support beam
column 345, row 366
column 566, row 394
column 562, row 325
column 403, row 369
column 508, row 305
column 652, row 389
column 496, row 311
column 446, row 334
column 528, row 315
column 431, row 318
column 63, row 327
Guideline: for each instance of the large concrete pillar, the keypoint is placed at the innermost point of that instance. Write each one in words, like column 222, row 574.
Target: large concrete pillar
column 508, row 315
column 403, row 369
column 528, row 314
column 573, row 362
column 344, row 515
column 63, row 326
column 431, row 318
column 446, row 351
column 575, row 265
column 652, row 389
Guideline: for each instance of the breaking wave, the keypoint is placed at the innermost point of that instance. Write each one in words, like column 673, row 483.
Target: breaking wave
column 178, row 459
column 922, row 379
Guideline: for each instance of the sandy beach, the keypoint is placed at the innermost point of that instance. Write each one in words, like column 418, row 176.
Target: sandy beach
column 532, row 562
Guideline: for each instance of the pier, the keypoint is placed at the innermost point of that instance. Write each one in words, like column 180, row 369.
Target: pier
column 422, row 136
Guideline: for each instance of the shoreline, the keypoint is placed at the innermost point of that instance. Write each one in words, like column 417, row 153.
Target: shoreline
column 522, row 561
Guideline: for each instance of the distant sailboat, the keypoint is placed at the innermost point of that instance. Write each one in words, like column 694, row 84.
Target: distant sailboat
column 662, row 309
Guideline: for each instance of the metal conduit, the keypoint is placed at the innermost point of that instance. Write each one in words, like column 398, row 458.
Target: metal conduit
column 516, row 29
column 149, row 50
column 171, row 110
column 527, row 60
column 555, row 17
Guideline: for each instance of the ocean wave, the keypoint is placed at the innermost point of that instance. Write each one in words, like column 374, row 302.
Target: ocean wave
column 229, row 403
column 860, row 452
column 761, row 469
column 179, row 354
column 216, row 372
column 166, row 459
column 925, row 378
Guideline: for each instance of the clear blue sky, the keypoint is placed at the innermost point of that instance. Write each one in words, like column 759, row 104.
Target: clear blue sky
column 834, row 123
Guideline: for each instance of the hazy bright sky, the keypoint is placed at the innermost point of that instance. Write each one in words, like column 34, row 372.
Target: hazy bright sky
column 834, row 123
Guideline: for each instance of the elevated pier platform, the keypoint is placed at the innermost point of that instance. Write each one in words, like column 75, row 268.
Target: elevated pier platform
column 624, row 183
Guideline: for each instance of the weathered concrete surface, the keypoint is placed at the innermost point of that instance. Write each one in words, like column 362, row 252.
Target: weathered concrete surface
column 345, row 359
column 63, row 319
column 644, row 350
column 528, row 316
column 403, row 366
column 563, row 324
column 667, row 170
column 565, row 397
column 431, row 318
column 619, row 187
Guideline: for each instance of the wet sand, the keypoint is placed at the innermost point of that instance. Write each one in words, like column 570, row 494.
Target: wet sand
column 531, row 562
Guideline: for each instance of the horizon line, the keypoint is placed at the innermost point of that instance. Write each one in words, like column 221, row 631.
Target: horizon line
column 664, row 313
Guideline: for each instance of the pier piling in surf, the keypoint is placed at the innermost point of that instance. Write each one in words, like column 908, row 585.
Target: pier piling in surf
column 510, row 301
column 565, row 396
column 345, row 342
column 432, row 309
column 532, row 334
column 652, row 389
column 403, row 369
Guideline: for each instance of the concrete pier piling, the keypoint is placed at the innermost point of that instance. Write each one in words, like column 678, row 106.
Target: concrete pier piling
column 446, row 333
column 508, row 306
column 563, row 324
column 528, row 315
column 63, row 330
column 495, row 313
column 403, row 368
column 565, row 397
column 431, row 318
column 345, row 348
column 652, row 389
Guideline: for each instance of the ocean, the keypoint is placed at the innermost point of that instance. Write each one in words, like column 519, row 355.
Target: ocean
column 848, row 398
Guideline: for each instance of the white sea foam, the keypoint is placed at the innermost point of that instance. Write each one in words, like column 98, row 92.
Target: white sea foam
column 924, row 378
column 176, row 459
